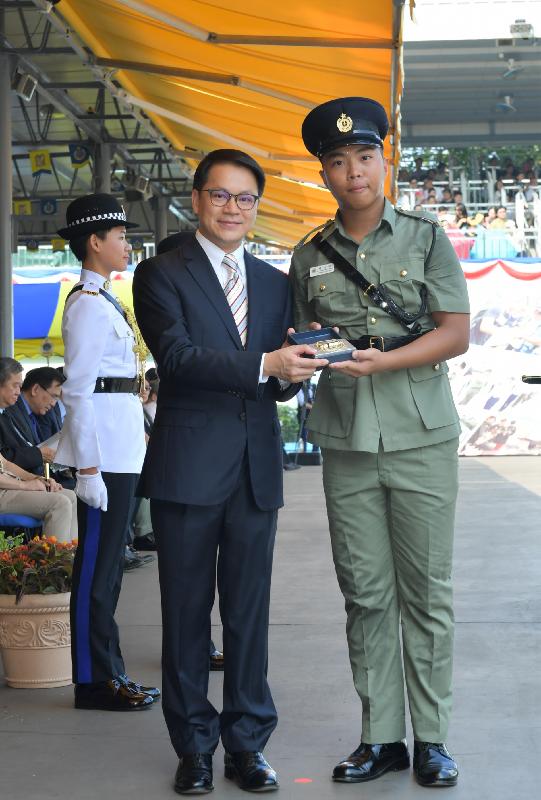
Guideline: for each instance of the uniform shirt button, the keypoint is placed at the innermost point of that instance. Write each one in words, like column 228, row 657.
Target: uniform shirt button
column 403, row 273
column 242, row 415
column 436, row 366
column 373, row 320
column 363, row 256
column 322, row 287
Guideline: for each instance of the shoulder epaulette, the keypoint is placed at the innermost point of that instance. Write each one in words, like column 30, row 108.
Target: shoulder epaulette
column 420, row 215
column 305, row 239
column 90, row 288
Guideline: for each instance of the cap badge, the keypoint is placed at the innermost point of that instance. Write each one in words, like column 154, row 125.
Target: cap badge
column 344, row 124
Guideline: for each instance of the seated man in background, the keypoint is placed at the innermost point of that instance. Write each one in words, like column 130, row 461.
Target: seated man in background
column 40, row 391
column 22, row 492
column 35, row 417
column 18, row 439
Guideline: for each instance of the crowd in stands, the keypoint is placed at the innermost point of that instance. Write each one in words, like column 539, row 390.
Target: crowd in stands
column 484, row 229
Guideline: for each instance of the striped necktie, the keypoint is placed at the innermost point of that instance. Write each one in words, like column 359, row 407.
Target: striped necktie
column 235, row 293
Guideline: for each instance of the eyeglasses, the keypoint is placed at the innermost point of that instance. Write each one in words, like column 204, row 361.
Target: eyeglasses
column 220, row 197
column 55, row 397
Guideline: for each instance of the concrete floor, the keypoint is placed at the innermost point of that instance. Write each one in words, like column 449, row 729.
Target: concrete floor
column 48, row 750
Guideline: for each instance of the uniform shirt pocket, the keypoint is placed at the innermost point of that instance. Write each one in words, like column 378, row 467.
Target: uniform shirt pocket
column 326, row 294
column 123, row 338
column 432, row 395
column 404, row 280
column 334, row 406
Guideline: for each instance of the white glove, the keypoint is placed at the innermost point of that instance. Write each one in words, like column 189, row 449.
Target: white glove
column 91, row 490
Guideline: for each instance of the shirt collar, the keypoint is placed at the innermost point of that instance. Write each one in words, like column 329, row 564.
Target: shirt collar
column 215, row 254
column 388, row 217
column 88, row 275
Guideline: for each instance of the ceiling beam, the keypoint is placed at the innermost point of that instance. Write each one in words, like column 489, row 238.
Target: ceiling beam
column 210, row 37
column 207, row 77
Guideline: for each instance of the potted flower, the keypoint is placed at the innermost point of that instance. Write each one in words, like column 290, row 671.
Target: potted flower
column 35, row 583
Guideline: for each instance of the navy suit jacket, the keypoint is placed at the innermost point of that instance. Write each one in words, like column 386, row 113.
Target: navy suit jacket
column 17, row 439
column 211, row 408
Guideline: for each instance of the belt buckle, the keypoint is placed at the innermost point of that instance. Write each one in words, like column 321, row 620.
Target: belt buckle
column 372, row 343
column 368, row 290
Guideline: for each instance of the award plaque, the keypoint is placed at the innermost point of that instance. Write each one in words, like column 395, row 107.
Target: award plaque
column 326, row 342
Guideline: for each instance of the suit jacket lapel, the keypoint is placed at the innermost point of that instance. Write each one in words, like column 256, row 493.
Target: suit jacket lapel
column 256, row 299
column 201, row 271
column 20, row 421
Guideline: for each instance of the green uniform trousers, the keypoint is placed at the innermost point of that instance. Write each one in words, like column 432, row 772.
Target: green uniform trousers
column 391, row 519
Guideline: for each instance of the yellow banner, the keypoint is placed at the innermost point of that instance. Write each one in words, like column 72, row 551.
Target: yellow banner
column 59, row 245
column 22, row 208
column 40, row 162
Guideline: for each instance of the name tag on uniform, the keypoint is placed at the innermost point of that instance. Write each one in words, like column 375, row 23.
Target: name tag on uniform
column 323, row 269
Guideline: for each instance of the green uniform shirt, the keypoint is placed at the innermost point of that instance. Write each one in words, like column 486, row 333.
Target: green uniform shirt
column 405, row 408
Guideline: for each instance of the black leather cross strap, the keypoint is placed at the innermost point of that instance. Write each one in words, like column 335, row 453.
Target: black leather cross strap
column 384, row 343
column 377, row 294
column 117, row 386
column 111, row 298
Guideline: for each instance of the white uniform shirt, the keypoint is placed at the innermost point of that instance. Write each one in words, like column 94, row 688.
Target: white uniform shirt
column 103, row 430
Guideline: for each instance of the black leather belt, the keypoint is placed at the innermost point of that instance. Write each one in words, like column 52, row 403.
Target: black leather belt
column 384, row 343
column 117, row 385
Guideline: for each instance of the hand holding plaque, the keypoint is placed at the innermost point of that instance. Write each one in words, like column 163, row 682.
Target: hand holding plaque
column 326, row 343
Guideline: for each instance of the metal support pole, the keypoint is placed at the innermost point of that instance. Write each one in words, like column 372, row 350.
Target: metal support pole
column 6, row 192
column 102, row 174
column 160, row 205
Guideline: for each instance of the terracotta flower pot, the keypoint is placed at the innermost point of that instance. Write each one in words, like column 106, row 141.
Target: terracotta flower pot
column 35, row 640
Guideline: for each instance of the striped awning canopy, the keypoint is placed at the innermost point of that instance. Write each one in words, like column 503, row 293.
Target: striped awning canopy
column 225, row 74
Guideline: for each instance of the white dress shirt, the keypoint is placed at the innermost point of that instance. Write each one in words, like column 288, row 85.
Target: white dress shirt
column 103, row 430
column 216, row 256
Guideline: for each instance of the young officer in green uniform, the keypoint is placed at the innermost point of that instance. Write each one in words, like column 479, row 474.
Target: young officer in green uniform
column 388, row 430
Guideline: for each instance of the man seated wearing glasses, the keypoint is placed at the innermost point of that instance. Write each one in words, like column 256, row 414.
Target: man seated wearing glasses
column 20, row 431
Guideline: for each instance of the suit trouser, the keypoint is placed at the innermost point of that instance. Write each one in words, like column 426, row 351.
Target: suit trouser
column 58, row 510
column 391, row 518
column 189, row 539
column 97, row 578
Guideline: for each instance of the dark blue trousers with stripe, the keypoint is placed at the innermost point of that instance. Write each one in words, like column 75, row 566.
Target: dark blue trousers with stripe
column 97, row 578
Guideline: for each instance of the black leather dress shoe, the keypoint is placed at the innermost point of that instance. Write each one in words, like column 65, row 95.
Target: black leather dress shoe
column 133, row 560
column 250, row 771
column 369, row 761
column 153, row 691
column 194, row 774
column 433, row 765
column 216, row 660
column 110, row 696
column 146, row 542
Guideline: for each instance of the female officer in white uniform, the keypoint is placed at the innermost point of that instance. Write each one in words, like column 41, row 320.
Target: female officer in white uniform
column 103, row 438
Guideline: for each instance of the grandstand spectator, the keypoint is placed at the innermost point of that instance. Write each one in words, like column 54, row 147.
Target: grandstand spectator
column 441, row 173
column 22, row 492
column 531, row 190
column 508, row 226
column 508, row 172
column 446, row 196
column 461, row 216
column 458, row 197
column 419, row 173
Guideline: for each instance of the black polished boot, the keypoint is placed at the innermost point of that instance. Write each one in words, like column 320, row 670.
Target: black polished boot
column 433, row 765
column 152, row 691
column 369, row 761
column 250, row 771
column 110, row 696
column 194, row 774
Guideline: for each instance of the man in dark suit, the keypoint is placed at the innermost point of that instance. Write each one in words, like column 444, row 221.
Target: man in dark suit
column 215, row 318
column 20, row 433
